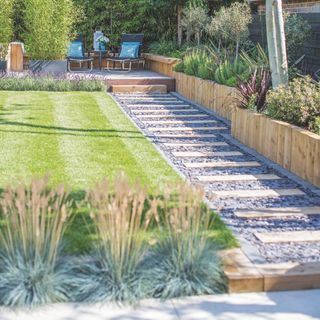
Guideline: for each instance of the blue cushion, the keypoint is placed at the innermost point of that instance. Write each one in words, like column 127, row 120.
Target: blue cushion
column 129, row 50
column 76, row 49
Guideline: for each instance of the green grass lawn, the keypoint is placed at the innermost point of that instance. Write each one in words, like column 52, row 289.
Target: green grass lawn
column 78, row 138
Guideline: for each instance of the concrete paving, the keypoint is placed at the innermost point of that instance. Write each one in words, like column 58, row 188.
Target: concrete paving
column 293, row 305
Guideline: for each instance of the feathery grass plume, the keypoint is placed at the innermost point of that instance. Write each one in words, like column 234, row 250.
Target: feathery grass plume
column 33, row 222
column 113, row 273
column 185, row 262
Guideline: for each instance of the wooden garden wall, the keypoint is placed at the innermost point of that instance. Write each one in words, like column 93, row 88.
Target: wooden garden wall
column 161, row 64
column 293, row 148
column 214, row 96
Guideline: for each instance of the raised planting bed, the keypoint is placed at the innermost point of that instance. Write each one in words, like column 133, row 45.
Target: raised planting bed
column 294, row 148
column 161, row 64
column 219, row 98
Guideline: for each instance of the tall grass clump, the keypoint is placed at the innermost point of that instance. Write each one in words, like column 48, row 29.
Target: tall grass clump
column 113, row 272
column 32, row 271
column 185, row 261
column 38, row 82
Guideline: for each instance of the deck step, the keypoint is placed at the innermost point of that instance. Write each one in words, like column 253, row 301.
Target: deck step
column 186, row 154
column 277, row 212
column 155, row 129
column 140, row 88
column 162, row 111
column 196, row 144
column 171, row 116
column 185, row 135
column 272, row 193
column 289, row 236
column 238, row 177
column 222, row 164
column 179, row 121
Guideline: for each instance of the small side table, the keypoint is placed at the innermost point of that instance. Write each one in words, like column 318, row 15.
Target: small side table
column 100, row 54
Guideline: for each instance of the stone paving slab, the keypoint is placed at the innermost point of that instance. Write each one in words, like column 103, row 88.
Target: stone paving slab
column 179, row 121
column 159, row 106
column 258, row 193
column 277, row 212
column 155, row 129
column 186, row 135
column 288, row 236
column 238, row 177
column 156, row 111
column 222, row 164
column 196, row 144
column 198, row 154
column 170, row 116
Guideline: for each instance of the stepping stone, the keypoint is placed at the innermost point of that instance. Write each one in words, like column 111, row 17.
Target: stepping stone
column 170, row 116
column 186, row 154
column 277, row 212
column 158, row 106
column 163, row 110
column 187, row 129
column 273, row 193
column 186, row 135
column 196, row 144
column 151, row 98
column 238, row 177
column 179, row 121
column 289, row 236
column 222, row 164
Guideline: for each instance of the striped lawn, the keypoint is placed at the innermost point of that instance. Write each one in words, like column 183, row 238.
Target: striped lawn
column 77, row 138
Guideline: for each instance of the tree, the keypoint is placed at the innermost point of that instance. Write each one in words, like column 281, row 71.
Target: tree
column 6, row 30
column 276, row 43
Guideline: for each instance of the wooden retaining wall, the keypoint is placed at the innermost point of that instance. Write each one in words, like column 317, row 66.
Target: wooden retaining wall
column 161, row 64
column 214, row 96
column 295, row 149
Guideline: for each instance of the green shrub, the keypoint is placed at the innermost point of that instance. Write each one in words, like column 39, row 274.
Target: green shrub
column 185, row 262
column 230, row 73
column 32, row 271
column 49, row 83
column 168, row 48
column 298, row 104
column 6, row 28
column 48, row 28
column 179, row 67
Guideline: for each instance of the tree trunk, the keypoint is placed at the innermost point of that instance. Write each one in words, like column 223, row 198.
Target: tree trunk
column 179, row 15
column 276, row 43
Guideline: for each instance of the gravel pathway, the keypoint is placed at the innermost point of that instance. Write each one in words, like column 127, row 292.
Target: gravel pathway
column 183, row 127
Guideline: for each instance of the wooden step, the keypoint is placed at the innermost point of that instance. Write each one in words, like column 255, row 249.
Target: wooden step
column 159, row 111
column 170, row 116
column 185, row 135
column 196, row 144
column 272, row 193
column 289, row 236
column 179, row 121
column 238, row 177
column 155, row 129
column 222, row 164
column 277, row 212
column 140, row 88
column 186, row 154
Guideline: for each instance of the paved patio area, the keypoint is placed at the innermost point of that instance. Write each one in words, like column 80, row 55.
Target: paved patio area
column 294, row 305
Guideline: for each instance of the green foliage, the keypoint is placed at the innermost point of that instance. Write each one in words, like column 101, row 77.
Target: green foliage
column 167, row 48
column 6, row 28
column 298, row 104
column 34, row 220
column 230, row 73
column 49, row 27
column 194, row 21
column 229, row 26
column 49, row 83
column 185, row 262
column 297, row 30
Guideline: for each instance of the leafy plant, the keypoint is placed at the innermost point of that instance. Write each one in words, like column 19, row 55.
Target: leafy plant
column 253, row 91
column 230, row 74
column 6, row 27
column 31, row 269
column 167, row 48
column 229, row 26
column 298, row 104
column 49, row 27
column 36, row 82
column 184, row 263
column 113, row 273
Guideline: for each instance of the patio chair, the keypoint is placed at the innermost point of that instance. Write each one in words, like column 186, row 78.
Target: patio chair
column 76, row 55
column 130, row 52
